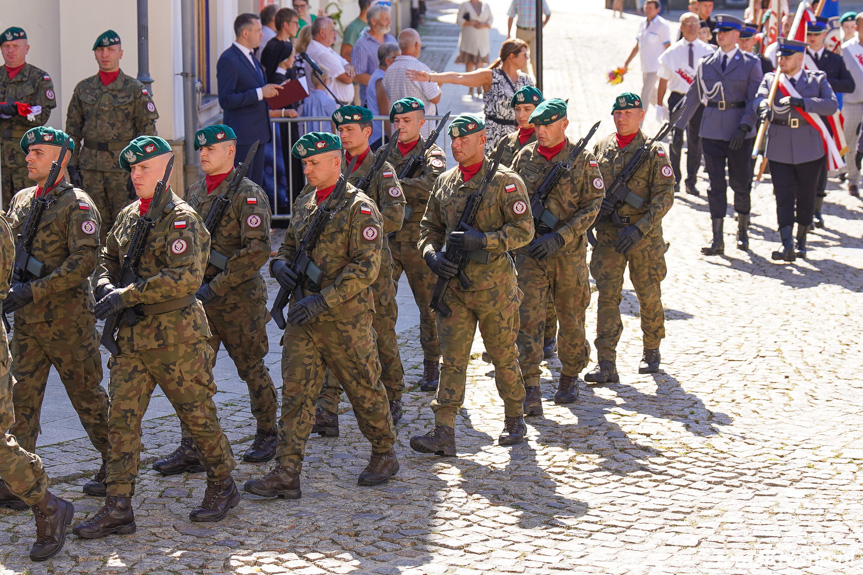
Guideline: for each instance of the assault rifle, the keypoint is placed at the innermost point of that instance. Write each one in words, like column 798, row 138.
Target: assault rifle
column 415, row 161
column 380, row 158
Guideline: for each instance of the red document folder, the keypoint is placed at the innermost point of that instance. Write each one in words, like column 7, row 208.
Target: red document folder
column 292, row 91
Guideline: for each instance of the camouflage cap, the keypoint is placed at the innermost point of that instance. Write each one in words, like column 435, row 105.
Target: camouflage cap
column 45, row 135
column 548, row 112
column 352, row 115
column 847, row 17
column 315, row 143
column 465, row 125
column 107, row 38
column 141, row 149
column 12, row 33
column 526, row 95
column 626, row 101
column 406, row 105
column 215, row 134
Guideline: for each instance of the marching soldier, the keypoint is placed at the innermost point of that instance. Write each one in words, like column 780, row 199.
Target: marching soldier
column 26, row 101
column 503, row 223
column 54, row 323
column 331, row 327
column 408, row 115
column 234, row 293
column 727, row 81
column 106, row 112
column 639, row 244
column 794, row 147
column 22, row 471
column 167, row 346
column 355, row 127
column 554, row 264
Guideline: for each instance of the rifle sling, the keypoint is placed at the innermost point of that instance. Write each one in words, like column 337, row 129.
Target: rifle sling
column 34, row 267
column 479, row 256
column 218, row 260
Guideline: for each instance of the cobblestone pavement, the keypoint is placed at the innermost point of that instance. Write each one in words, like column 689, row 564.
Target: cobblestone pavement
column 742, row 456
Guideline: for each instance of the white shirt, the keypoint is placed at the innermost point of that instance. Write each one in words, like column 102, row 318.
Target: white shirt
column 653, row 38
column 251, row 57
column 397, row 85
column 674, row 63
column 335, row 64
column 852, row 53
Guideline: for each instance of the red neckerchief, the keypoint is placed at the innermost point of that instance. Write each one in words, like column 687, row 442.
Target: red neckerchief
column 468, row 172
column 549, row 153
column 214, row 182
column 14, row 71
column 524, row 135
column 405, row 149
column 144, row 205
column 323, row 194
column 39, row 190
column 360, row 159
column 108, row 77
column 623, row 141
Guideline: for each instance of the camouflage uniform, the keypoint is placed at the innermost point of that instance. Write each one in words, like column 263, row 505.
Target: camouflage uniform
column 493, row 298
column 406, row 256
column 167, row 346
column 386, row 192
column 654, row 182
column 22, row 472
column 238, row 316
column 575, row 201
column 30, row 86
column 106, row 118
column 58, row 327
column 349, row 254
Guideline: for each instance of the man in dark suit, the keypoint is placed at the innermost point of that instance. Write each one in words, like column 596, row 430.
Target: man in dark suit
column 242, row 89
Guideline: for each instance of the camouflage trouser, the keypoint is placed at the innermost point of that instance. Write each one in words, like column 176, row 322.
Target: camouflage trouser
column 348, row 348
column 550, row 319
column 71, row 345
column 384, row 322
column 562, row 277
column 13, row 179
column 646, row 271
column 407, row 257
column 108, row 190
column 496, row 312
column 183, row 373
column 21, row 471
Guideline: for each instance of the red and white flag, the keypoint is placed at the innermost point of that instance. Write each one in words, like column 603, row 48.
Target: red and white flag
column 834, row 153
column 836, row 122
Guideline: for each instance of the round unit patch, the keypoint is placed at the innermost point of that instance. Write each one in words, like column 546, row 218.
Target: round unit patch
column 370, row 233
column 437, row 163
column 253, row 221
column 178, row 247
column 49, row 94
column 519, row 207
column 395, row 191
column 667, row 171
column 151, row 107
column 88, row 227
column 598, row 183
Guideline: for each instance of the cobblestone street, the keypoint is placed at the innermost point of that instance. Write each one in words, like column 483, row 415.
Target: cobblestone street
column 742, row 456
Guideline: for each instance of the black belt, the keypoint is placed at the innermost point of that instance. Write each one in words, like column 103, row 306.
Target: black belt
column 725, row 105
column 790, row 122
column 497, row 120
column 525, row 27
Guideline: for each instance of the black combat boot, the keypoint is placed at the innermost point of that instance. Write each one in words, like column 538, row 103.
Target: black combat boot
column 440, row 441
column 263, row 447
column 549, row 347
column 381, row 467
column 787, row 251
column 219, row 498
column 717, row 245
column 649, row 361
column 743, row 232
column 514, row 431
column 184, row 459
column 396, row 410
column 53, row 515
column 9, row 500
column 280, row 482
column 532, row 400
column 818, row 219
column 96, row 486
column 431, row 375
column 116, row 516
column 605, row 372
column 801, row 241
column 567, row 390
column 326, row 423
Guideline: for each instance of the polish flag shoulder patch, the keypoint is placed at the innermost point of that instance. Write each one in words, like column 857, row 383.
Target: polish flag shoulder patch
column 178, row 247
column 510, row 188
column 660, row 152
column 252, row 201
column 370, row 233
column 593, row 164
column 46, row 77
column 387, row 174
column 83, row 205
column 180, row 224
column 364, row 209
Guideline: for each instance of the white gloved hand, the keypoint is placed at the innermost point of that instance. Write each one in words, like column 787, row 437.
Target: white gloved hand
column 661, row 114
column 34, row 111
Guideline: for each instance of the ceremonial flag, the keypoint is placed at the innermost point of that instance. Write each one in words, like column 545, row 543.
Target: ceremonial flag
column 834, row 153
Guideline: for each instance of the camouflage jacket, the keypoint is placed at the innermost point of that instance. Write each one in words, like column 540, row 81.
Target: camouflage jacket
column 67, row 243
column 107, row 118
column 384, row 190
column 243, row 235
column 7, row 259
column 348, row 251
column 511, row 147
column 653, row 181
column 172, row 268
column 417, row 189
column 504, row 215
column 576, row 198
column 30, row 86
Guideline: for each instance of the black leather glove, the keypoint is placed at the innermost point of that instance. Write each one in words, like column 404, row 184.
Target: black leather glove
column 130, row 188
column 858, row 160
column 467, row 238
column 285, row 275
column 545, row 245
column 606, row 208
column 791, row 101
column 765, row 113
column 110, row 304
column 103, row 290
column 307, row 309
column 75, row 176
column 627, row 238
column 20, row 294
column 10, row 109
column 738, row 137
column 206, row 294
column 440, row 265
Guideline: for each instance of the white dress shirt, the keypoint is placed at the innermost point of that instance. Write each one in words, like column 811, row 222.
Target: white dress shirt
column 335, row 64
column 674, row 63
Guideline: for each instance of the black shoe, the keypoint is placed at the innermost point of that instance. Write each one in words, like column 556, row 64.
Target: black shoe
column 549, row 347
column 280, row 482
column 381, row 467
column 326, row 423
column 743, row 232
column 440, row 441
column 396, row 410
column 692, row 190
column 605, row 372
column 532, row 400
column 514, row 431
column 9, row 500
column 717, row 244
column 53, row 515
column 96, row 486
column 787, row 252
column 115, row 516
column 649, row 361
column 818, row 219
column 219, row 498
column 801, row 241
column 431, row 375
column 184, row 459
column 567, row 390
column 263, row 447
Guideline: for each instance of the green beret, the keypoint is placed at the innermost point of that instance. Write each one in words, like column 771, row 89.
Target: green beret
column 141, row 149
column 526, row 95
column 45, row 135
column 108, row 38
column 13, row 33
column 846, row 17
column 315, row 143
column 352, row 115
column 215, row 134
column 465, row 125
column 548, row 112
column 626, row 101
column 406, row 105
